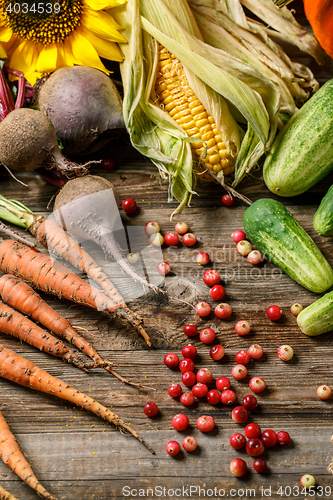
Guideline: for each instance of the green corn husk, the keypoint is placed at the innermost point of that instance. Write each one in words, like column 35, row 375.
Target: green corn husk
column 227, row 87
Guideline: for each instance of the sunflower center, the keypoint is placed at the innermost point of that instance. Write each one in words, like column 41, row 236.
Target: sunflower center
column 41, row 22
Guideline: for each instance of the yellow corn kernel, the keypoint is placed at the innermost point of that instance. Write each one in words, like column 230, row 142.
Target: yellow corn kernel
column 176, row 96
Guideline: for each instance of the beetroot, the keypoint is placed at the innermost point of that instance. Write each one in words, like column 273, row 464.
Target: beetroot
column 28, row 141
column 84, row 107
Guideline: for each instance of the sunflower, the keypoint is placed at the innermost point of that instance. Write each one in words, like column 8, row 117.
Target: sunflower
column 40, row 37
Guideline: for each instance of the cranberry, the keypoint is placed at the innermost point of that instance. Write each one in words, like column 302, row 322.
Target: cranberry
column 274, row 313
column 255, row 351
column 243, row 328
column 175, row 390
column 252, row 431
column 211, row 277
column 180, row 422
column 171, row 239
column 189, row 378
column 129, row 206
column 238, row 235
column 203, row 309
column 217, row 292
column 163, row 268
column 132, row 258
column 269, row 438
column 244, row 247
column 200, row 390
column 156, row 240
column 207, row 335
column 239, row 372
column 307, row 481
column 254, row 447
column 171, row 360
column 173, row 448
column 285, row 352
column 187, row 399
column 189, row 443
column 283, row 437
column 186, row 365
column 108, row 163
column 238, row 467
column 242, row 357
column 150, row 409
column 324, row 392
column 217, row 352
column 189, row 239
column 228, row 397
column 257, row 384
column 202, row 258
column 237, row 441
column 189, row 351
column 204, row 376
column 190, row 330
column 255, row 257
column 250, row 402
column 205, row 423
column 152, row 228
column 213, row 397
column 181, row 227
column 259, row 465
column 222, row 383
column 223, row 311
column 228, row 200
column 296, row 309
column 239, row 414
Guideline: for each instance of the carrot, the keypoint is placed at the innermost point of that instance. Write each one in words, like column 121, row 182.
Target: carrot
column 18, row 369
column 19, row 295
column 5, row 495
column 12, row 456
column 45, row 274
column 19, row 326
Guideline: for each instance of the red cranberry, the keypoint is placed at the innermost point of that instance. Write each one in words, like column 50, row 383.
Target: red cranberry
column 150, row 409
column 190, row 330
column 259, row 465
column 254, row 447
column 223, row 311
column 252, row 431
column 250, row 402
column 204, row 376
column 189, row 379
column 257, row 384
column 205, row 423
column 175, row 390
column 180, row 422
column 172, row 448
column 228, row 397
column 228, row 200
column 187, row 399
column 171, row 239
column 237, row 441
column 189, row 351
column 207, row 336
column 238, row 467
column 223, row 383
column 200, row 390
column 211, row 277
column 283, row 437
column 217, row 292
column 189, row 443
column 269, row 438
column 129, row 206
column 213, row 397
column 171, row 360
column 186, row 365
column 242, row 358
column 217, row 352
column 274, row 313
column 239, row 414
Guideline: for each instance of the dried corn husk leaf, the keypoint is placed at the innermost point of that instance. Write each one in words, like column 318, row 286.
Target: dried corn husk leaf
column 284, row 26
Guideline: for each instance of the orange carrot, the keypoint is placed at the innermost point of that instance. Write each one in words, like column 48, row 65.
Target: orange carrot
column 53, row 237
column 19, row 326
column 5, row 495
column 19, row 295
column 11, row 454
column 18, row 369
column 45, row 274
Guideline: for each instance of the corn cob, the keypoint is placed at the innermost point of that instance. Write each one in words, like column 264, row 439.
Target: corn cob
column 174, row 94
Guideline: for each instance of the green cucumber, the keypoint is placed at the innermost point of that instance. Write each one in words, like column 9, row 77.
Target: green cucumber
column 302, row 153
column 323, row 218
column 318, row 317
column 272, row 228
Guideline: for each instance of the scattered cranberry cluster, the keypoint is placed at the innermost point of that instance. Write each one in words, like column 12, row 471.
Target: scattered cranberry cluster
column 254, row 445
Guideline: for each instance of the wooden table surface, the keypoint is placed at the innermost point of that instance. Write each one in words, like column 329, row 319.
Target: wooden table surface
column 76, row 455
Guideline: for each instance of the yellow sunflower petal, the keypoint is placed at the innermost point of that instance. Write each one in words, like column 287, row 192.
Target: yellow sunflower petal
column 105, row 48
column 5, row 34
column 65, row 54
column 33, row 77
column 103, row 4
column 47, row 59
column 3, row 54
column 24, row 57
column 84, row 52
column 102, row 24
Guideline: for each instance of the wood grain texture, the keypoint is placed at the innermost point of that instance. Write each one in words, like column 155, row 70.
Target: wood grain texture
column 76, row 455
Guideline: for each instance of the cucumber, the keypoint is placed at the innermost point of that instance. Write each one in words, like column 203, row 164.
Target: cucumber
column 302, row 153
column 318, row 317
column 273, row 229
column 323, row 218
